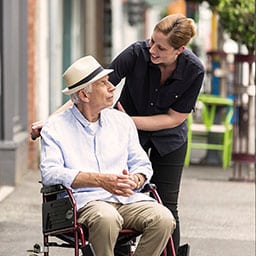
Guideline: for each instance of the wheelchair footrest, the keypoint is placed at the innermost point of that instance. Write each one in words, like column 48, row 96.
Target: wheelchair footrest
column 184, row 250
column 88, row 250
column 54, row 244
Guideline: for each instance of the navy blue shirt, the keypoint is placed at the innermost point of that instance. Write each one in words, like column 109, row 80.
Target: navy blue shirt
column 142, row 94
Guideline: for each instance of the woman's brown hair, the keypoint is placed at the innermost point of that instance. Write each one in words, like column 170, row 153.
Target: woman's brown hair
column 178, row 28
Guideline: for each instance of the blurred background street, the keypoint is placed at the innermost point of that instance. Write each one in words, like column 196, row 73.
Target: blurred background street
column 39, row 39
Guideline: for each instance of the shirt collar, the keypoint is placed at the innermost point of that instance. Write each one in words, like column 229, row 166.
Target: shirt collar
column 177, row 74
column 81, row 119
column 146, row 53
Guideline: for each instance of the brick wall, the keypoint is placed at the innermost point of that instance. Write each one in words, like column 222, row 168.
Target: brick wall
column 32, row 117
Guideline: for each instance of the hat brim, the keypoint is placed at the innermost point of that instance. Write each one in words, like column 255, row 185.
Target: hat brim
column 103, row 73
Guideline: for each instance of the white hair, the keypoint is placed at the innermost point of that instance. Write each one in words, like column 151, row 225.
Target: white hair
column 74, row 96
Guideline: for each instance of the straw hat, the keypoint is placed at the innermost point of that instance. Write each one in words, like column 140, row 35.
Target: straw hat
column 82, row 72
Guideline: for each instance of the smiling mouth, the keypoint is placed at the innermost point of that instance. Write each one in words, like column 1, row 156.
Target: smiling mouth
column 154, row 57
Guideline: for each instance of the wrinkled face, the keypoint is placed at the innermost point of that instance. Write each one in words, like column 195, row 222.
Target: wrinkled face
column 102, row 94
column 160, row 50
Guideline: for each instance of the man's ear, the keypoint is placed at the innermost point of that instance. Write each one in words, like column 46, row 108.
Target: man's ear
column 83, row 96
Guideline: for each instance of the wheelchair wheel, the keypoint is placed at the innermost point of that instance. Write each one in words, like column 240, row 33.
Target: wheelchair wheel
column 124, row 246
column 123, row 251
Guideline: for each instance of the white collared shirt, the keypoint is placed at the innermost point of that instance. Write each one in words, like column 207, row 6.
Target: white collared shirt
column 70, row 146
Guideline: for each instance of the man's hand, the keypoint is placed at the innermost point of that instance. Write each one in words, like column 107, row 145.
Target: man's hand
column 122, row 185
column 36, row 129
column 118, row 184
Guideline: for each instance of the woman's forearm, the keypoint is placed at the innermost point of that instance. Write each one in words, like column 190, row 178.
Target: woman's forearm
column 63, row 107
column 159, row 122
column 37, row 126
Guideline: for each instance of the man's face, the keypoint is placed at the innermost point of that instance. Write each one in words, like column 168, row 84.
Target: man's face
column 102, row 94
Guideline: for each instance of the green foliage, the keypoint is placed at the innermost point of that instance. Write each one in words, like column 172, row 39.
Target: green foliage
column 237, row 19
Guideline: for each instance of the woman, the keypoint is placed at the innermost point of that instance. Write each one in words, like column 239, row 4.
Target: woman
column 163, row 80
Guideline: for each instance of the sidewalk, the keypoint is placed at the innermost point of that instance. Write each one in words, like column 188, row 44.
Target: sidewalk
column 217, row 216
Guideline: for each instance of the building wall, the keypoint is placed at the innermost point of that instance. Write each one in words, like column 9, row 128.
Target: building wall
column 13, row 140
column 32, row 146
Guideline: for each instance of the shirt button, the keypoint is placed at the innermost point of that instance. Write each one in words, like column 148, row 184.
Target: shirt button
column 176, row 96
column 151, row 104
column 156, row 90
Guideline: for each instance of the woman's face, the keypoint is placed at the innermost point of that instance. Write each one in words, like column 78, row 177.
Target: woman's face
column 160, row 50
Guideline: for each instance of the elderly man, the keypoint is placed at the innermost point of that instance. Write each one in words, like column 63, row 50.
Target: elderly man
column 94, row 150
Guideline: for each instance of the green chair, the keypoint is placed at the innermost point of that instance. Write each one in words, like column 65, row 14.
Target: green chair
column 199, row 132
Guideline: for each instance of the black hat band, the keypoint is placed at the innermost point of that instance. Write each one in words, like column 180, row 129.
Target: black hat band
column 88, row 78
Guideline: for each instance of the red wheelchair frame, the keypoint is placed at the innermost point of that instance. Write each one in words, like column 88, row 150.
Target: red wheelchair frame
column 59, row 219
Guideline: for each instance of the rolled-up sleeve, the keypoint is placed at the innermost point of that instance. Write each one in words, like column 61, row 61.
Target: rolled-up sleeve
column 53, row 170
column 138, row 161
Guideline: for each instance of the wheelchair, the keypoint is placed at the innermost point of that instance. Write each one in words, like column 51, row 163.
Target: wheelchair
column 59, row 220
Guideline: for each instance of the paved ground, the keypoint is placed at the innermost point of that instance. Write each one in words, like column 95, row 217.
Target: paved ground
column 217, row 216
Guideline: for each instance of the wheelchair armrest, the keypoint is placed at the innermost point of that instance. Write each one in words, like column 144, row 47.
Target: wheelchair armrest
column 148, row 187
column 151, row 187
column 53, row 189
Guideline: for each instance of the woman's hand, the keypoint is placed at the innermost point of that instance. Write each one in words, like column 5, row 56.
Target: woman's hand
column 36, row 128
column 120, row 107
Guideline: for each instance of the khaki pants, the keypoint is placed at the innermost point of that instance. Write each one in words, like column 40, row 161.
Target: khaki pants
column 104, row 221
